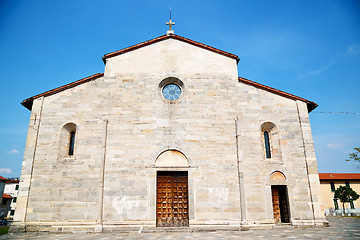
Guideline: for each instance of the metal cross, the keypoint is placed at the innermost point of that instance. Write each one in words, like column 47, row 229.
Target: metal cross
column 170, row 23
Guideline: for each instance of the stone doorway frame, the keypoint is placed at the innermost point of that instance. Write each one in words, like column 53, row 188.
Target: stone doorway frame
column 281, row 193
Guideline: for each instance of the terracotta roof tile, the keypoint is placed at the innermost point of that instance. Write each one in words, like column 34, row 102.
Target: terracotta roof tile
column 3, row 179
column 339, row 176
column 6, row 196
column 311, row 105
column 164, row 37
column 12, row 181
column 29, row 101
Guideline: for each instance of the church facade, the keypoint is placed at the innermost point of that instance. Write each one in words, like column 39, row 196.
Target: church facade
column 167, row 136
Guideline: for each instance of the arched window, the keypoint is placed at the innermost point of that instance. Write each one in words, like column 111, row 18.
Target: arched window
column 267, row 144
column 67, row 140
column 271, row 141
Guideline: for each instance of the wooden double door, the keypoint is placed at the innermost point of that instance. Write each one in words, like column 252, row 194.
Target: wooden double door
column 280, row 204
column 172, row 208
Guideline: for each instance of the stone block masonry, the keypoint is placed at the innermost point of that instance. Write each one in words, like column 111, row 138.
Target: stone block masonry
column 123, row 123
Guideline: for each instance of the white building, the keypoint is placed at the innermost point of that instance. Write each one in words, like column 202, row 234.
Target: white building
column 3, row 198
column 12, row 189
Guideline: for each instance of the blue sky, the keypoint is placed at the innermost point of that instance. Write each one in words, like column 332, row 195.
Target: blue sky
column 307, row 48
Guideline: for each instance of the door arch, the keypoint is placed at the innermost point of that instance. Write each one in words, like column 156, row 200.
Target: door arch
column 171, row 158
column 279, row 193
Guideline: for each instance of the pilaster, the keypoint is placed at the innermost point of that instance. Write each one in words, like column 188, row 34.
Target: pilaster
column 310, row 158
column 27, row 165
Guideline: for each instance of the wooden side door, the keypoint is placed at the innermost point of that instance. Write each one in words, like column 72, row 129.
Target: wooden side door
column 280, row 204
column 284, row 205
column 276, row 205
column 164, row 201
column 172, row 199
column 180, row 201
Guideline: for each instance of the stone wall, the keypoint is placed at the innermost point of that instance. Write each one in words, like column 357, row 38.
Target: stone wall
column 123, row 124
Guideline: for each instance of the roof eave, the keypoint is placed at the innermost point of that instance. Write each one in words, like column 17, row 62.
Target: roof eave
column 164, row 37
column 339, row 176
column 29, row 101
column 310, row 105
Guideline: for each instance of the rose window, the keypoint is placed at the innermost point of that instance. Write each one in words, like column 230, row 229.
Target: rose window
column 171, row 92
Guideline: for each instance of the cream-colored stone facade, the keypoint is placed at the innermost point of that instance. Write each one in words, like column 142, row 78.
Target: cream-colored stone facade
column 123, row 124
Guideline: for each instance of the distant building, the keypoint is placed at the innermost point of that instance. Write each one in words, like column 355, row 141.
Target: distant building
column 3, row 198
column 329, row 183
column 12, row 189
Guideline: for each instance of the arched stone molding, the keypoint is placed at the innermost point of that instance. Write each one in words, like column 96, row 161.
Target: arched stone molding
column 277, row 175
column 274, row 138
column 63, row 124
column 174, row 80
column 166, row 148
column 172, row 158
column 280, row 170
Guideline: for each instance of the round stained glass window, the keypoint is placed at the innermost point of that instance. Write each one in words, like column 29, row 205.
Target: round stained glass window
column 171, row 92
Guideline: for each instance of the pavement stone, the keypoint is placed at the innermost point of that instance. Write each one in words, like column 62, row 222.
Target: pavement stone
column 340, row 228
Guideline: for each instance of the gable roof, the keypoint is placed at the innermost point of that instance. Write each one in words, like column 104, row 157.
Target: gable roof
column 310, row 105
column 339, row 176
column 170, row 36
column 2, row 179
column 29, row 101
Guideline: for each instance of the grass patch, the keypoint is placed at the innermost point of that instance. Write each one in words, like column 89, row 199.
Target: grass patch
column 4, row 230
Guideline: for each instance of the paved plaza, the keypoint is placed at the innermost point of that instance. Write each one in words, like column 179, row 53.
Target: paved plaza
column 340, row 228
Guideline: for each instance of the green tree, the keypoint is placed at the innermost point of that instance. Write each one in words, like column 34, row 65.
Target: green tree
column 345, row 194
column 355, row 156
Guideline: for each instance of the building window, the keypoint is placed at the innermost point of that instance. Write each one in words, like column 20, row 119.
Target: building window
column 17, row 187
column 352, row 205
column 347, row 184
column 271, row 141
column 171, row 89
column 72, row 143
column 68, row 140
column 14, row 199
column 336, row 206
column 267, row 144
column 171, row 92
column 332, row 185
column 12, row 212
